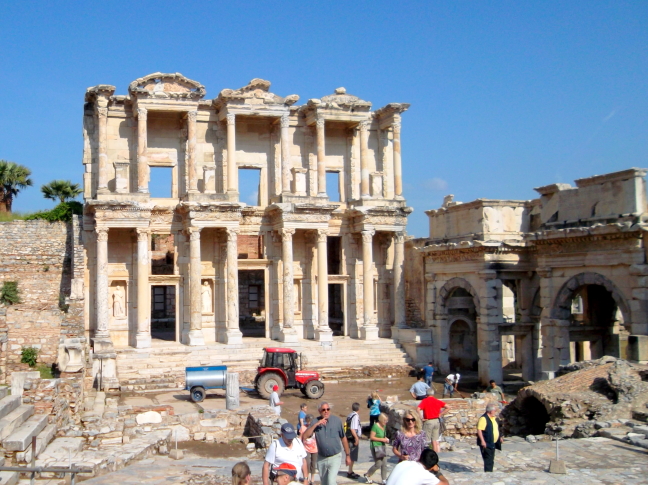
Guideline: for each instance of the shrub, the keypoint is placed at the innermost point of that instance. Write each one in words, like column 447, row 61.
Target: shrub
column 29, row 356
column 62, row 212
column 9, row 294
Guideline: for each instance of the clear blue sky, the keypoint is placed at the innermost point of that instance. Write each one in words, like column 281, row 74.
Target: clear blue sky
column 506, row 96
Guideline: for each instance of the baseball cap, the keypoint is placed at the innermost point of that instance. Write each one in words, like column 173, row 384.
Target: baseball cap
column 275, row 387
column 286, row 469
column 288, row 431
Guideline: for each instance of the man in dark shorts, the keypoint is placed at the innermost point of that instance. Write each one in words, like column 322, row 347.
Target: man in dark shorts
column 354, row 430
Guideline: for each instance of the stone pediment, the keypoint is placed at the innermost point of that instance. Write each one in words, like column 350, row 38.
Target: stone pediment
column 340, row 100
column 256, row 92
column 166, row 86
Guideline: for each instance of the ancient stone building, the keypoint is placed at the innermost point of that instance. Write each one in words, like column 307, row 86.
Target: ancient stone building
column 307, row 261
column 533, row 284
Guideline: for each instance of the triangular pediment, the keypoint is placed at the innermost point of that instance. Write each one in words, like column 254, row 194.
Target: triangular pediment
column 166, row 85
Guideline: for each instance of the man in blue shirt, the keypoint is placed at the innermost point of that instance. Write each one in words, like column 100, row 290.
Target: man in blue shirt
column 429, row 373
column 419, row 388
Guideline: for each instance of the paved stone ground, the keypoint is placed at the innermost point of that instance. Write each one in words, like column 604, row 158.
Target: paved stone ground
column 589, row 461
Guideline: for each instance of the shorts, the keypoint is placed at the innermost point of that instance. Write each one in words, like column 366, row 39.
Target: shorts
column 311, row 463
column 354, row 451
column 431, row 429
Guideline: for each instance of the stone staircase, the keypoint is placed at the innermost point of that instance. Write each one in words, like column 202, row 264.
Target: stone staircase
column 18, row 425
column 163, row 365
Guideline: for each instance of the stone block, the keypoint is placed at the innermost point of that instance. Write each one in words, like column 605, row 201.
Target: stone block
column 14, row 419
column 210, row 423
column 21, row 439
column 557, row 467
column 180, row 433
column 176, row 454
column 150, row 417
column 9, row 403
column 637, row 349
column 199, row 436
column 42, row 440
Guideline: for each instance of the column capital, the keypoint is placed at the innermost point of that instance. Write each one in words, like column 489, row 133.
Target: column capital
column 397, row 127
column 194, row 233
column 286, row 234
column 367, row 235
column 399, row 237
column 192, row 116
column 142, row 113
column 102, row 113
column 232, row 233
column 322, row 234
column 364, row 126
column 231, row 118
column 319, row 123
column 102, row 234
column 285, row 120
column 142, row 233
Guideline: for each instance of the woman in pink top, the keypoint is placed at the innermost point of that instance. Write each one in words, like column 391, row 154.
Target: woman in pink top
column 310, row 445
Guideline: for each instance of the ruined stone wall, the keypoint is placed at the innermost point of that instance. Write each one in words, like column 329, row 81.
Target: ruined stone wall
column 61, row 399
column 414, row 270
column 43, row 258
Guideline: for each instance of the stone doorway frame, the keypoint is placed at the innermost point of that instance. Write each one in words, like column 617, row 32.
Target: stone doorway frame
column 168, row 280
column 260, row 265
column 342, row 280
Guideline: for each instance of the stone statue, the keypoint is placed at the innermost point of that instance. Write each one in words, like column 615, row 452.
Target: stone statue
column 206, row 297
column 118, row 302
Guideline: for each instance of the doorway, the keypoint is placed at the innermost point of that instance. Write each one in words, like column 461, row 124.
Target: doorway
column 335, row 309
column 163, row 312
column 252, row 315
column 463, row 346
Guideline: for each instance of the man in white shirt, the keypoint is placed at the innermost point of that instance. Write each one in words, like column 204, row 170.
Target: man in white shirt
column 275, row 403
column 287, row 449
column 451, row 382
column 423, row 472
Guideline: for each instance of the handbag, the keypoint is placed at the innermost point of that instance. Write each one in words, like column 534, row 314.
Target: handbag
column 380, row 452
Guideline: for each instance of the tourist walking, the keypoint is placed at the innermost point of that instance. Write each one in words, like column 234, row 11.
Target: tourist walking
column 310, row 445
column 431, row 410
column 451, row 383
column 353, row 433
column 286, row 474
column 426, row 471
column 241, row 474
column 286, row 449
column 410, row 441
column 488, row 436
column 378, row 442
column 275, row 403
column 329, row 434
column 373, row 403
column 428, row 370
column 419, row 388
column 303, row 410
column 493, row 388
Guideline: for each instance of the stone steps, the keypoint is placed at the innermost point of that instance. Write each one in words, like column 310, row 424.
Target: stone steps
column 20, row 439
column 8, row 404
column 14, row 419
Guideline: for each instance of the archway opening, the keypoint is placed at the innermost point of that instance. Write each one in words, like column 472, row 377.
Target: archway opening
column 535, row 415
column 463, row 346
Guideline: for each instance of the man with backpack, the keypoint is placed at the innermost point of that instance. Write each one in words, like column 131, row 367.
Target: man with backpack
column 353, row 432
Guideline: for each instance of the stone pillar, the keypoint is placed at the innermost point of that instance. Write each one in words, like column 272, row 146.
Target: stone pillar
column 191, row 151
column 142, row 159
column 489, row 346
column 323, row 332
column 232, row 168
column 369, row 330
column 233, row 334
column 399, row 281
column 321, row 159
column 285, row 154
column 143, row 335
column 364, row 159
column 102, row 130
column 195, row 335
column 288, row 333
column 398, row 170
column 102, row 284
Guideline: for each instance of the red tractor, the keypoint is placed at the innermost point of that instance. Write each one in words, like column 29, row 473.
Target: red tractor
column 279, row 367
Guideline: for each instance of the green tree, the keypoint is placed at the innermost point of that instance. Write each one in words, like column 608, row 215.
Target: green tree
column 61, row 190
column 13, row 178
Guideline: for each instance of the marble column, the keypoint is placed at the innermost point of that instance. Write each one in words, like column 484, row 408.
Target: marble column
column 102, row 296
column 232, row 168
column 143, row 335
column 233, row 333
column 288, row 332
column 102, row 130
column 195, row 335
column 369, row 330
column 142, row 159
column 364, row 158
column 398, row 170
column 321, row 159
column 285, row 154
column 191, row 151
column 323, row 332
column 399, row 281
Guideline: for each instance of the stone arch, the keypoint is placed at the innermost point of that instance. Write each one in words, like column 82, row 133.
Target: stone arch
column 446, row 291
column 561, row 309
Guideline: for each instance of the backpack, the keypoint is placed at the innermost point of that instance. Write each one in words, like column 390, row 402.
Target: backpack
column 347, row 426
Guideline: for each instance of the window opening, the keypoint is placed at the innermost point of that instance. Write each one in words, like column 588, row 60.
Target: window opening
column 161, row 182
column 334, row 256
column 333, row 186
column 249, row 183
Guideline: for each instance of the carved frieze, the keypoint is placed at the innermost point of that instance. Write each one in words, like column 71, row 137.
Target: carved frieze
column 166, row 85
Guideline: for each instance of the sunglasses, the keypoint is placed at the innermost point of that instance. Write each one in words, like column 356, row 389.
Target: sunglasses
column 326, row 409
column 409, row 420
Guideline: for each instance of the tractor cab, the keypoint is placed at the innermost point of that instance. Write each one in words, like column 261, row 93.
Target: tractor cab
column 285, row 360
column 281, row 367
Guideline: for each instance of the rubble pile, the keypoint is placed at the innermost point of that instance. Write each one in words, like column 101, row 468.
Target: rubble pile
column 586, row 398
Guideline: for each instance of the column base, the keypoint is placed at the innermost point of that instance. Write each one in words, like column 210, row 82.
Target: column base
column 369, row 333
column 288, row 335
column 102, row 345
column 233, row 337
column 143, row 341
column 195, row 337
column 324, row 335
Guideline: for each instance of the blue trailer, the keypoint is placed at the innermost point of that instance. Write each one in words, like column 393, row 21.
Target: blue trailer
column 199, row 379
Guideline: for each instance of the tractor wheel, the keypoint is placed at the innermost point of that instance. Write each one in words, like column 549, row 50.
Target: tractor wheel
column 197, row 394
column 266, row 382
column 314, row 389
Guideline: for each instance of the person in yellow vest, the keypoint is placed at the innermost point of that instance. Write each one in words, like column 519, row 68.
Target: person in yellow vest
column 488, row 436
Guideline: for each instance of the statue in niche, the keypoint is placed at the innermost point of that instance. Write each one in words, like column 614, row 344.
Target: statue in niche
column 206, row 297
column 119, row 297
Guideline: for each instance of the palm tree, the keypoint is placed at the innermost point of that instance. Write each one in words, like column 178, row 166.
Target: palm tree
column 13, row 178
column 61, row 190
